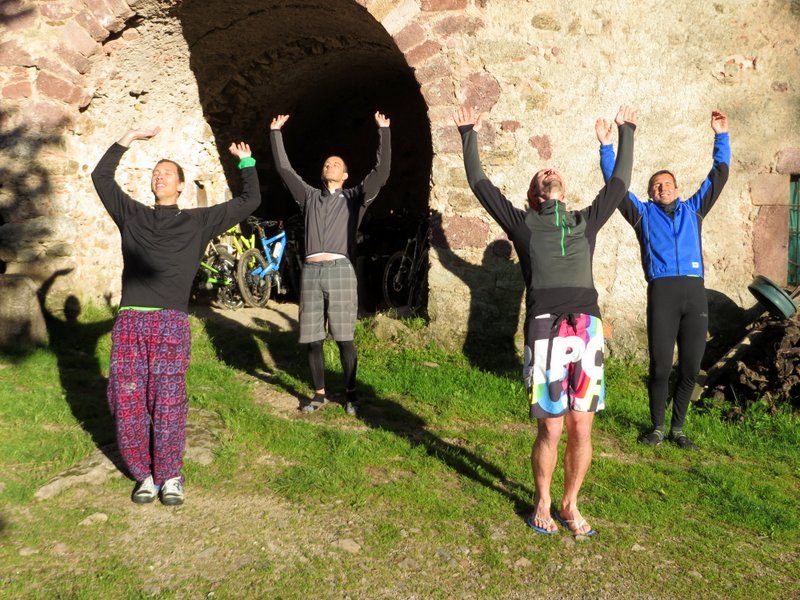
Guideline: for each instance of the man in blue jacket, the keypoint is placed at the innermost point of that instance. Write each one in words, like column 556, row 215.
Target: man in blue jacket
column 669, row 233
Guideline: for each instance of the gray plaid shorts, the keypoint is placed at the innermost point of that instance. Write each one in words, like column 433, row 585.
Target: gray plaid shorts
column 328, row 292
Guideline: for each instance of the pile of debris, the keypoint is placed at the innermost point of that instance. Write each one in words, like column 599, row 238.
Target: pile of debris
column 763, row 367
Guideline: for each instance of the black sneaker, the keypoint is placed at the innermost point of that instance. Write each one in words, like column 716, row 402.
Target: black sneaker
column 317, row 402
column 683, row 442
column 351, row 404
column 653, row 439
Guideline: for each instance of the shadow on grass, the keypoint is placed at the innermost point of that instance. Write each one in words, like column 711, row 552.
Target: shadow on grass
column 74, row 345
column 236, row 345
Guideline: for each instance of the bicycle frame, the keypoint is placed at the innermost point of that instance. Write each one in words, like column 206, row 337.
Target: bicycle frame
column 269, row 246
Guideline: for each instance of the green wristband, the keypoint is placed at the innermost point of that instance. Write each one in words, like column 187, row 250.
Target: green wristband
column 247, row 161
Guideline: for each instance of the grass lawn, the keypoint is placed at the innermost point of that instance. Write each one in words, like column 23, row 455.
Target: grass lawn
column 422, row 496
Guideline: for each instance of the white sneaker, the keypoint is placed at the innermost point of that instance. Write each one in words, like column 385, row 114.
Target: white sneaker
column 172, row 492
column 145, row 491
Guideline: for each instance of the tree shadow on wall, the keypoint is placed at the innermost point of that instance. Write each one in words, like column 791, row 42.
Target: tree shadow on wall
column 25, row 202
column 496, row 292
column 75, row 347
column 10, row 12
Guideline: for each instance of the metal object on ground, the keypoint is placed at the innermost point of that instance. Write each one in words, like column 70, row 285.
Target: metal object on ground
column 772, row 297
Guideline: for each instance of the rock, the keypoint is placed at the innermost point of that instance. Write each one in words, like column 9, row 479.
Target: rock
column 93, row 470
column 94, row 519
column 60, row 549
column 522, row 563
column 26, row 551
column 409, row 564
column 637, row 548
column 349, row 545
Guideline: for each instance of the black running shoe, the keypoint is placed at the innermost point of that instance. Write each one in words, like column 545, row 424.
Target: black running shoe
column 653, row 439
column 683, row 442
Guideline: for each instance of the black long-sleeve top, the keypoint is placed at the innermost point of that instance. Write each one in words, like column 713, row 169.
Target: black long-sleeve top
column 162, row 245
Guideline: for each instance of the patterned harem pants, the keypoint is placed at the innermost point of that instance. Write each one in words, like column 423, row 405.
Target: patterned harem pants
column 147, row 390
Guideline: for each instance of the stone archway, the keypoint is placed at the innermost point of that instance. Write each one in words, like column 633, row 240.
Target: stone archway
column 330, row 65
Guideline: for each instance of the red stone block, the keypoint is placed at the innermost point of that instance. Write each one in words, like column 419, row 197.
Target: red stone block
column 12, row 54
column 437, row 5
column 56, row 11
column 56, row 88
column 45, row 115
column 59, row 69
column 75, row 37
column 15, row 91
column 481, row 91
column 120, row 9
column 457, row 25
column 131, row 34
column 410, row 36
column 543, row 146
column 439, row 93
column 422, row 52
column 74, row 60
column 434, row 69
column 18, row 15
column 510, row 126
column 93, row 25
column 769, row 189
column 789, row 161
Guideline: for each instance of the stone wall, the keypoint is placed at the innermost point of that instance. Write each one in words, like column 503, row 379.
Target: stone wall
column 74, row 74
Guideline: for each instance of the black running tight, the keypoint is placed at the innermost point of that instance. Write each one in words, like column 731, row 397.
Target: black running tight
column 348, row 356
column 677, row 312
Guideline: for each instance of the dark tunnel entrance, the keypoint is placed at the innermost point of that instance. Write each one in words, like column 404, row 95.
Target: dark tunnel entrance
column 329, row 65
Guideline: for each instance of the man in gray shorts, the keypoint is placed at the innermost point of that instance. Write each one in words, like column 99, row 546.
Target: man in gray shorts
column 328, row 285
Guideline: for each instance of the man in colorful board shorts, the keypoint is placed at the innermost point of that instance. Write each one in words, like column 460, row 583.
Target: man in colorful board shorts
column 563, row 367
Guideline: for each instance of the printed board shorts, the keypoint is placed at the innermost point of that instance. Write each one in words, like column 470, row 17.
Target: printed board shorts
column 328, row 292
column 563, row 365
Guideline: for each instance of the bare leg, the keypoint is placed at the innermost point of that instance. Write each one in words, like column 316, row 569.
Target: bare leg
column 544, row 456
column 577, row 459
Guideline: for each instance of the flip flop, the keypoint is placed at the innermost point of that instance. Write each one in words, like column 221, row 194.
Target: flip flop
column 531, row 519
column 572, row 526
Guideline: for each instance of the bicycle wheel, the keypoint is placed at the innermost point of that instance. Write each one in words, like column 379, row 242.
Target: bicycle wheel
column 395, row 280
column 254, row 289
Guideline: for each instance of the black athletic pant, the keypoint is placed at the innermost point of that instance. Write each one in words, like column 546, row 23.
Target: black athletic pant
column 348, row 356
column 677, row 311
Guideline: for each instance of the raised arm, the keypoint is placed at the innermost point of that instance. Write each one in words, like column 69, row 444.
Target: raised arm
column 616, row 189
column 376, row 178
column 222, row 216
column 297, row 187
column 490, row 197
column 711, row 188
column 117, row 203
column 626, row 123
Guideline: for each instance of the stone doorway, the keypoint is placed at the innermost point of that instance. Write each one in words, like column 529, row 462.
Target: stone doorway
column 330, row 65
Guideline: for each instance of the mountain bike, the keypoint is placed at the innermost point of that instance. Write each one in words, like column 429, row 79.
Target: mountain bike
column 257, row 271
column 218, row 271
column 405, row 277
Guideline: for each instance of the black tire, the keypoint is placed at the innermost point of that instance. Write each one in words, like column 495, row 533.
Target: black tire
column 224, row 263
column 254, row 289
column 395, row 280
